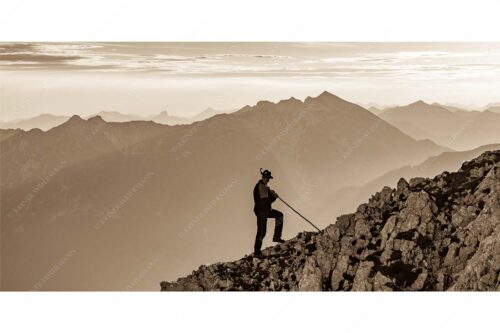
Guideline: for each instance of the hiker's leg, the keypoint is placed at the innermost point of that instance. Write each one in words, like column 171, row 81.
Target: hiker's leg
column 278, row 226
column 261, row 231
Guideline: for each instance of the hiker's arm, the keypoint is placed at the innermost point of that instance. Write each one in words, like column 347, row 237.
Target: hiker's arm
column 274, row 195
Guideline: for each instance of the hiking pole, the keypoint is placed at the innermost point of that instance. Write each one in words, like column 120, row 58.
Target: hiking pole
column 283, row 201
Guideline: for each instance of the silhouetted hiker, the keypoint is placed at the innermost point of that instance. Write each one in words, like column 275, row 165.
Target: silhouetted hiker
column 263, row 197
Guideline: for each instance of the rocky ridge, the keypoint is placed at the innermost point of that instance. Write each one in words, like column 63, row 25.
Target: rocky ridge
column 426, row 234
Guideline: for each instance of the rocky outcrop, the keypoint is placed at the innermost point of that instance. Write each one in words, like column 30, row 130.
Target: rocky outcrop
column 426, row 234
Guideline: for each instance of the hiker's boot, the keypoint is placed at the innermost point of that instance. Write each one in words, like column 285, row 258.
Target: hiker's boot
column 259, row 255
column 278, row 240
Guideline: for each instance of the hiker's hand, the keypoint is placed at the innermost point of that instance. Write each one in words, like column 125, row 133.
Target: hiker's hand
column 275, row 194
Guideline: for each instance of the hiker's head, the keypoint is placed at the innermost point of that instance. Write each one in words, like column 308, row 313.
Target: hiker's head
column 266, row 176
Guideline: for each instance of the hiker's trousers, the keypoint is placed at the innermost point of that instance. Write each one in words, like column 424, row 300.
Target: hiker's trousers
column 262, row 226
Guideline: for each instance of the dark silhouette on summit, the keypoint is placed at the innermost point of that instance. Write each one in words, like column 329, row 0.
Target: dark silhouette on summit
column 263, row 197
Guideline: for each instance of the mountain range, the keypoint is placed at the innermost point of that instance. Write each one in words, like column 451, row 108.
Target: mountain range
column 102, row 202
column 47, row 121
column 456, row 129
column 43, row 121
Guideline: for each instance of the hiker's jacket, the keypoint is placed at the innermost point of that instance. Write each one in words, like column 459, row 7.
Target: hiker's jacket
column 263, row 198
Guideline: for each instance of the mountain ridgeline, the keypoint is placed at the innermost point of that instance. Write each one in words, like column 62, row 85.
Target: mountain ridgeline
column 47, row 121
column 426, row 234
column 451, row 127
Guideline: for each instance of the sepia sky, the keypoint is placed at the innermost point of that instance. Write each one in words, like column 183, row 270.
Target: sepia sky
column 186, row 78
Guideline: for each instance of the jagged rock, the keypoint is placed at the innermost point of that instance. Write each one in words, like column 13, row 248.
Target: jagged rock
column 311, row 276
column 381, row 282
column 361, row 280
column 428, row 234
column 420, row 281
column 332, row 232
column 418, row 210
column 387, row 230
column 339, row 271
column 415, row 182
column 402, row 189
column 361, row 229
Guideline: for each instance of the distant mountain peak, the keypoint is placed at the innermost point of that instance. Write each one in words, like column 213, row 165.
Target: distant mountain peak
column 418, row 103
column 73, row 122
column 324, row 97
column 326, row 94
column 75, row 119
column 291, row 99
column 96, row 118
column 263, row 103
column 290, row 102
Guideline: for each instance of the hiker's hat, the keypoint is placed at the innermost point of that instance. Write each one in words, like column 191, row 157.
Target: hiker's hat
column 266, row 174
